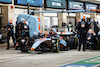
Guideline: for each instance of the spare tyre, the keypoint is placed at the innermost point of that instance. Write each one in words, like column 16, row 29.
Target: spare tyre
column 71, row 43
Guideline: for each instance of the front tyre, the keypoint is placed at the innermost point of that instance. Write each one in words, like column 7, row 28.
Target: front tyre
column 56, row 47
column 24, row 51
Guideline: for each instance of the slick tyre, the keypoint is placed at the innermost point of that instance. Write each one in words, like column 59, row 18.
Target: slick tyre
column 24, row 51
column 55, row 50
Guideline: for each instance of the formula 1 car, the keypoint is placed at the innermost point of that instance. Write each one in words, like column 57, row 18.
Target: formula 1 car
column 54, row 44
column 46, row 44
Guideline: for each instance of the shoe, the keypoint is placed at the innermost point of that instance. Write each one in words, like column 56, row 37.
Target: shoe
column 7, row 49
column 78, row 50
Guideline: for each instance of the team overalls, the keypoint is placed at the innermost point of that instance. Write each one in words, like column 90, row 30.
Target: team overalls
column 82, row 28
column 10, row 33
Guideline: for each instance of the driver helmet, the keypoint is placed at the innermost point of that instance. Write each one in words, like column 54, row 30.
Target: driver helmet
column 40, row 31
column 10, row 21
column 35, row 34
column 92, row 20
column 52, row 30
column 83, row 19
column 22, row 20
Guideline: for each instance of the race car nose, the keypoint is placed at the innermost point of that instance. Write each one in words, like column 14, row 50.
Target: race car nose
column 32, row 48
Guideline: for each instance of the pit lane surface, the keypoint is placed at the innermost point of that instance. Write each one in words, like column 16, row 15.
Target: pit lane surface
column 14, row 58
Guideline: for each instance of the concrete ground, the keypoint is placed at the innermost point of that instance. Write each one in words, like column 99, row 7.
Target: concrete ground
column 14, row 58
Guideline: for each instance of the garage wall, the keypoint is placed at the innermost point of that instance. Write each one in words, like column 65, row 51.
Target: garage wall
column 71, row 18
column 47, row 21
column 50, row 19
column 54, row 21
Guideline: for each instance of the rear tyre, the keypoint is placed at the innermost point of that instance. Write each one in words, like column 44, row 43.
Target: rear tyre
column 71, row 43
